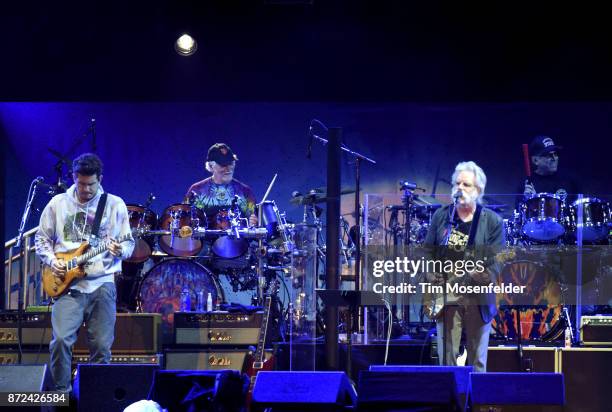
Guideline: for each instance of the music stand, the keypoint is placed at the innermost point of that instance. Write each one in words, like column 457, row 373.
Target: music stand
column 351, row 299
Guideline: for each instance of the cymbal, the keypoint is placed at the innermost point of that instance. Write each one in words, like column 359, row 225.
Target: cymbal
column 343, row 191
column 315, row 197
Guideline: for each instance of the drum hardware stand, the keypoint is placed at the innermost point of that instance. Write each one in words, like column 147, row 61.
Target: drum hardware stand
column 525, row 364
column 261, row 279
column 358, row 158
column 407, row 201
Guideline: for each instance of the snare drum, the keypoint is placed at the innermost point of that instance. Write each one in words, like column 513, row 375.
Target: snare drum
column 542, row 217
column 183, row 219
column 595, row 219
column 160, row 290
column 141, row 220
column 540, row 306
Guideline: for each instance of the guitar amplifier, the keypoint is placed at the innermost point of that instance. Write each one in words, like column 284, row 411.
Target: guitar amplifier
column 208, row 359
column 10, row 356
column 128, row 359
column 31, row 357
column 134, row 333
column 596, row 330
column 217, row 328
column 35, row 328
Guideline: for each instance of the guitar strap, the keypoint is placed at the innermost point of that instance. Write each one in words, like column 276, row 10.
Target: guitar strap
column 474, row 226
column 98, row 218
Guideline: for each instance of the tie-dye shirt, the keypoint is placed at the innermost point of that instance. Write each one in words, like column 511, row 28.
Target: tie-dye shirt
column 212, row 197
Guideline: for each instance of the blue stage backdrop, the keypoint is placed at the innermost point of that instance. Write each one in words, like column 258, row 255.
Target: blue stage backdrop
column 160, row 147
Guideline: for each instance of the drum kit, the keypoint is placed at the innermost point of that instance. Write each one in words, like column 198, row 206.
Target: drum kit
column 542, row 228
column 184, row 249
column 545, row 218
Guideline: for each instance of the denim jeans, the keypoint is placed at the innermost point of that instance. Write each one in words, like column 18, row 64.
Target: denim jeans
column 98, row 310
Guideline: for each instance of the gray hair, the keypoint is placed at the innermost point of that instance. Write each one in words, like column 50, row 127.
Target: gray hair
column 209, row 165
column 480, row 178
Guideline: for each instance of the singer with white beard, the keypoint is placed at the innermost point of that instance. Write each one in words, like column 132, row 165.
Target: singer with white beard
column 462, row 226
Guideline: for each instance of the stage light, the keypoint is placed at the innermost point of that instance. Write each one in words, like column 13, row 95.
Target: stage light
column 185, row 45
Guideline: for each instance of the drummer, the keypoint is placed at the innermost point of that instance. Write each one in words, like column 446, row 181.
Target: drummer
column 220, row 191
column 546, row 177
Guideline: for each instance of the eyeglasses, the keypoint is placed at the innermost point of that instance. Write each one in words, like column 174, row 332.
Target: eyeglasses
column 551, row 155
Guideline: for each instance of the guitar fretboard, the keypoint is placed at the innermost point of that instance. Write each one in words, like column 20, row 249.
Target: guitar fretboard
column 262, row 333
column 102, row 247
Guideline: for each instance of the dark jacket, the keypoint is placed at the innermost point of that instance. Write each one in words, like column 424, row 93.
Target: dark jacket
column 489, row 232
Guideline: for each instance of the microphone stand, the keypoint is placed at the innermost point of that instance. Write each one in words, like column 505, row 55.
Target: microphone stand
column 358, row 158
column 23, row 281
column 451, row 224
column 94, row 146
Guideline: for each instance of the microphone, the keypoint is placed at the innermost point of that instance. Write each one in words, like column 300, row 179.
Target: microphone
column 457, row 195
column 296, row 193
column 405, row 185
column 39, row 179
column 311, row 139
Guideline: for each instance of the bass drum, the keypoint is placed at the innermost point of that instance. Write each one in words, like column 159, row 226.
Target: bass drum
column 141, row 220
column 540, row 306
column 160, row 290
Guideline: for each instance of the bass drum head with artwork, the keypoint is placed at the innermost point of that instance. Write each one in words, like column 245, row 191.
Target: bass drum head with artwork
column 540, row 306
column 160, row 290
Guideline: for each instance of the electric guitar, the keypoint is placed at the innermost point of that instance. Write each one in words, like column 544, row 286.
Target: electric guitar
column 433, row 303
column 257, row 361
column 75, row 260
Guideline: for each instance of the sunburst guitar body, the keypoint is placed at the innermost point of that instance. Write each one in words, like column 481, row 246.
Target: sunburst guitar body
column 75, row 260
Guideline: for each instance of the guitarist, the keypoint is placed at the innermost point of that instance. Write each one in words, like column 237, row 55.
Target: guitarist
column 66, row 222
column 469, row 225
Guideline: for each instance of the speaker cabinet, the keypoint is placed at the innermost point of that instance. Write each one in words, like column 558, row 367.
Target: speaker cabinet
column 461, row 374
column 24, row 378
column 394, row 391
column 112, row 387
column 302, row 391
column 535, row 359
column 134, row 333
column 587, row 378
column 517, row 392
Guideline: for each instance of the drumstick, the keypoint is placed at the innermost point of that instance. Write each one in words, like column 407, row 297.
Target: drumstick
column 269, row 188
column 526, row 161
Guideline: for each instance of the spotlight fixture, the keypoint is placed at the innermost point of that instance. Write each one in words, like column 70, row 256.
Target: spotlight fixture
column 185, row 45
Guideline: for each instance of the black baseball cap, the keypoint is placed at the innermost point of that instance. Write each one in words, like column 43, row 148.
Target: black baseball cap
column 221, row 154
column 541, row 145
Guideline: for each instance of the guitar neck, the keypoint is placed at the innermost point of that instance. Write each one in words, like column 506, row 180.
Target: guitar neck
column 103, row 247
column 263, row 330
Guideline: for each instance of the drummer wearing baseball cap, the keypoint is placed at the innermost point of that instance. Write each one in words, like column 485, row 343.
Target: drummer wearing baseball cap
column 220, row 190
column 546, row 177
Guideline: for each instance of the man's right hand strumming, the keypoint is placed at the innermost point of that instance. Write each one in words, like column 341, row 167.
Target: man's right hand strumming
column 58, row 267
